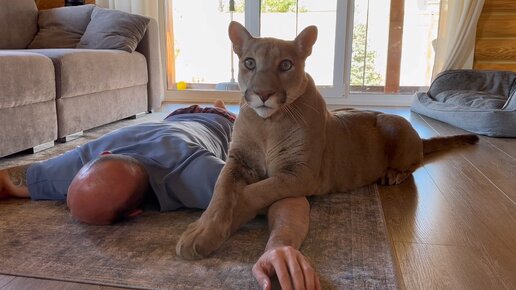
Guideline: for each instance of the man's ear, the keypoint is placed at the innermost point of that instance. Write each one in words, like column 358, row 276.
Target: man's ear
column 306, row 39
column 134, row 213
column 239, row 36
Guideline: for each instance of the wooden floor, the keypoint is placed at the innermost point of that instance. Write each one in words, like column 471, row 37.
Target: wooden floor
column 452, row 226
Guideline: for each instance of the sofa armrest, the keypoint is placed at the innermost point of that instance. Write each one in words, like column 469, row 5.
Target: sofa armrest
column 493, row 82
column 149, row 46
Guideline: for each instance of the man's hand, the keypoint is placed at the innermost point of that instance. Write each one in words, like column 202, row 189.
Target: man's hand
column 290, row 266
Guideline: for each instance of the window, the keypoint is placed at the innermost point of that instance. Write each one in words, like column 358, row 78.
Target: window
column 392, row 45
column 421, row 23
column 367, row 51
column 199, row 42
column 369, row 45
column 287, row 20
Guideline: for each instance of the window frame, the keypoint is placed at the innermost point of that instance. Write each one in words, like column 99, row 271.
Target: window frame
column 337, row 94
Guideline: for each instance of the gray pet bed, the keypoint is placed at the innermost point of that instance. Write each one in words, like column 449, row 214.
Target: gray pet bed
column 482, row 102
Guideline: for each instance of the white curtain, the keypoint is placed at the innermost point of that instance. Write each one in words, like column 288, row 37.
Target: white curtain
column 455, row 44
column 149, row 8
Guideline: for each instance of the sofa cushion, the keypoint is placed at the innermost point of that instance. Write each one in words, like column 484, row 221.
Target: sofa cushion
column 62, row 27
column 471, row 99
column 92, row 110
column 493, row 82
column 18, row 23
column 113, row 29
column 26, row 78
column 85, row 71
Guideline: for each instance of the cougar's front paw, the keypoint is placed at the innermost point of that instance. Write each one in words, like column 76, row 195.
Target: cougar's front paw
column 201, row 238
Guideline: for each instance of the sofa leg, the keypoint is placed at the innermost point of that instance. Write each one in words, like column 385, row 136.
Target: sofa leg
column 41, row 147
column 70, row 137
column 136, row 116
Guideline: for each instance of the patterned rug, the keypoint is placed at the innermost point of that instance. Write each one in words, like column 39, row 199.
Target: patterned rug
column 347, row 242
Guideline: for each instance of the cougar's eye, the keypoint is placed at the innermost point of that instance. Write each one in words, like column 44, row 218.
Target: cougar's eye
column 285, row 65
column 249, row 63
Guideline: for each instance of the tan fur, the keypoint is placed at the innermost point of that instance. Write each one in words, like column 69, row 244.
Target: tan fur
column 294, row 146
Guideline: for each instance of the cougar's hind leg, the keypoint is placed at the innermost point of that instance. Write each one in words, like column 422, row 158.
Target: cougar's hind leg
column 404, row 148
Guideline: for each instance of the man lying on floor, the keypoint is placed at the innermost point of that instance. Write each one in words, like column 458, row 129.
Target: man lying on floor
column 178, row 160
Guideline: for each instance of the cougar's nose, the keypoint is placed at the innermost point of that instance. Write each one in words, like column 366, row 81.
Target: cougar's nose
column 264, row 95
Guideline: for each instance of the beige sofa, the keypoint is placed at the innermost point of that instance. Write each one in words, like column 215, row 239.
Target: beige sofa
column 49, row 94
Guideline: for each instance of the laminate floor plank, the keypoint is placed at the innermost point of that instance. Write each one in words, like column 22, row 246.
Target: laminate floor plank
column 417, row 212
column 475, row 195
column 453, row 222
column 5, row 279
column 494, row 164
column 445, row 267
column 505, row 145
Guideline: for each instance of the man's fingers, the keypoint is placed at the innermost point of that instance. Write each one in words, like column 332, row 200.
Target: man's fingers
column 261, row 274
column 296, row 274
column 292, row 268
column 317, row 282
column 308, row 273
column 282, row 273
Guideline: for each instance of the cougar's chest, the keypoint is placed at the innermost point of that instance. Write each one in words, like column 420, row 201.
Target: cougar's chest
column 283, row 150
column 271, row 146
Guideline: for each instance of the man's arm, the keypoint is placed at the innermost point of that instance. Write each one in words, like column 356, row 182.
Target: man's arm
column 288, row 224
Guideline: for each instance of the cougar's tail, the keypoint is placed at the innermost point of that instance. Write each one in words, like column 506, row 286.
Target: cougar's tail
column 439, row 143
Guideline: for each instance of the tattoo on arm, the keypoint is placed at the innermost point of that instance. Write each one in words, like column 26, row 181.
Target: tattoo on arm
column 18, row 175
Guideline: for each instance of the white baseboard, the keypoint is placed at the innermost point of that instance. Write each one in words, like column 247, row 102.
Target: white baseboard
column 208, row 96
column 372, row 100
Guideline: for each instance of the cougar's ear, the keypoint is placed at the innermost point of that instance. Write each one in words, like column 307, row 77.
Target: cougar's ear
column 239, row 36
column 306, row 39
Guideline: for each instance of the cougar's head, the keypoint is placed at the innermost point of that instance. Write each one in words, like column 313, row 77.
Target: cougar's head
column 272, row 71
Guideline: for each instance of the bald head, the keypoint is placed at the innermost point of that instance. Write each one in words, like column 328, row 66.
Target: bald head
column 106, row 189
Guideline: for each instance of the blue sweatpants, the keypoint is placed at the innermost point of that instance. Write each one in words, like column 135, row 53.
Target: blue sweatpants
column 50, row 179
